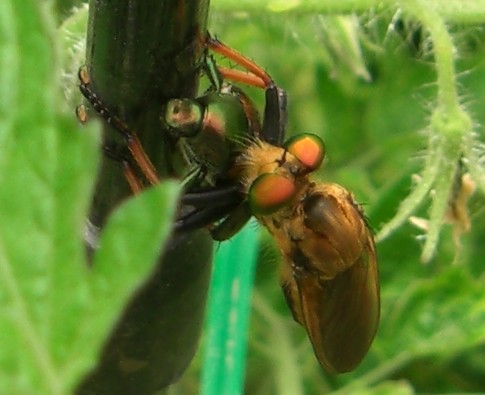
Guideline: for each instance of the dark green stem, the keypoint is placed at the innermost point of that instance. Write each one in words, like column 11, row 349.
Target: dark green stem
column 141, row 53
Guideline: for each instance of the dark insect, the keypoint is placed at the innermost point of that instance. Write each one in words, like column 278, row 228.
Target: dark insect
column 243, row 168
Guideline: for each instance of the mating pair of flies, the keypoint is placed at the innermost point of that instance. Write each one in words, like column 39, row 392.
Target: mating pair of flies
column 244, row 168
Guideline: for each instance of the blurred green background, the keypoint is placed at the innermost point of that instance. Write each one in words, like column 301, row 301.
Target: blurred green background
column 367, row 85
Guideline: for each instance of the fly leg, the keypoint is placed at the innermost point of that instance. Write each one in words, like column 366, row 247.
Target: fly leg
column 225, row 205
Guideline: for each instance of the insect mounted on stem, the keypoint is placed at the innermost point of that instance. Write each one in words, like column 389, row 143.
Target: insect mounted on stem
column 243, row 168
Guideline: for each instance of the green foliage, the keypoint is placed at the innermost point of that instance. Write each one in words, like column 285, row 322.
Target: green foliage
column 55, row 311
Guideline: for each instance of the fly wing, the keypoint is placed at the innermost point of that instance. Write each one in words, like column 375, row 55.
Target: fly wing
column 341, row 315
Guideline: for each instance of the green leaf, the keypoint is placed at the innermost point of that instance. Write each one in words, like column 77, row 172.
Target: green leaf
column 429, row 316
column 55, row 312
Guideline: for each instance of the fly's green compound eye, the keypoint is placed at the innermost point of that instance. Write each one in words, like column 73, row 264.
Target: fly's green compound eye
column 308, row 149
column 269, row 193
column 185, row 116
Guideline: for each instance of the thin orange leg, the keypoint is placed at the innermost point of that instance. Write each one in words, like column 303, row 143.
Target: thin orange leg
column 246, row 63
column 133, row 180
column 242, row 77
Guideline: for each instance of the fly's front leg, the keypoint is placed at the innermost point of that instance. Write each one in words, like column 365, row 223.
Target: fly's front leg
column 224, row 206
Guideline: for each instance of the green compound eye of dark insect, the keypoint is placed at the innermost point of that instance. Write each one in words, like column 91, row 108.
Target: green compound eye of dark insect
column 184, row 116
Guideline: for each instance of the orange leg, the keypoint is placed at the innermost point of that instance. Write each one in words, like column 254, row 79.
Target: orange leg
column 133, row 180
column 241, row 76
column 255, row 71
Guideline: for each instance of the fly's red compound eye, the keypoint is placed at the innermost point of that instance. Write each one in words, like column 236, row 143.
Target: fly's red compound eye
column 308, row 149
column 269, row 193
